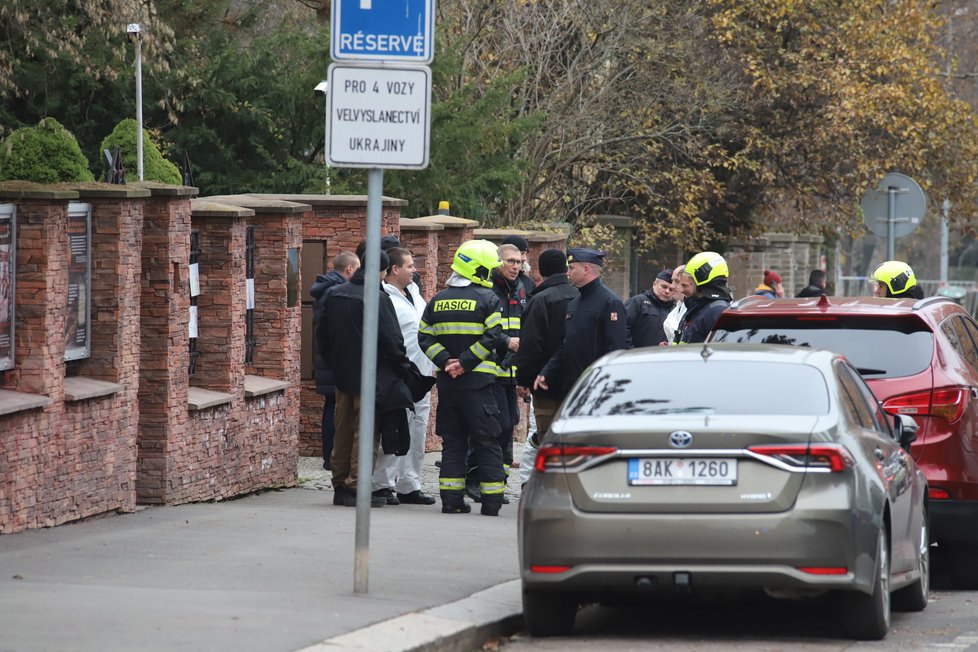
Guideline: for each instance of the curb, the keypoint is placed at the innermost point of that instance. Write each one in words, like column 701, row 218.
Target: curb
column 458, row 626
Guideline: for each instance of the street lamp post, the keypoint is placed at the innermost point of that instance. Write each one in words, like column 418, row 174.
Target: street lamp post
column 322, row 88
column 134, row 31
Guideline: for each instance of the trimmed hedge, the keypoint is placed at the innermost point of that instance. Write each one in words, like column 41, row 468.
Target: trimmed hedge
column 47, row 153
column 155, row 167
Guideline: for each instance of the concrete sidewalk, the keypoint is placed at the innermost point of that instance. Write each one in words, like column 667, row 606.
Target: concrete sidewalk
column 268, row 572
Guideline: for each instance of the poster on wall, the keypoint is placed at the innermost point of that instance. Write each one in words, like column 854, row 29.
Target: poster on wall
column 77, row 323
column 7, row 250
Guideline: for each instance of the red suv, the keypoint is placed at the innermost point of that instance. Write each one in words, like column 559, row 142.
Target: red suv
column 920, row 358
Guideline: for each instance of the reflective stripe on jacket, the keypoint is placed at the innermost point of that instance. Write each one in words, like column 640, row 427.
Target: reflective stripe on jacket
column 462, row 323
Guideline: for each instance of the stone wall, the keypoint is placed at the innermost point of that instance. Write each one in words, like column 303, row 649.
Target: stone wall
column 127, row 423
column 68, row 444
column 790, row 255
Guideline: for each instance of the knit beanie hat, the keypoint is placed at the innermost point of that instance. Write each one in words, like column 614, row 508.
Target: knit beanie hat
column 388, row 241
column 665, row 275
column 770, row 278
column 552, row 261
column 518, row 241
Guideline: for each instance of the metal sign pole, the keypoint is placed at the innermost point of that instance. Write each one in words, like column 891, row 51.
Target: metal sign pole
column 891, row 194
column 944, row 240
column 139, row 106
column 368, row 378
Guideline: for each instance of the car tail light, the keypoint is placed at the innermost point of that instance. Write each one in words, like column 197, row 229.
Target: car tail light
column 549, row 570
column 830, row 457
column 947, row 402
column 551, row 458
column 824, row 570
column 938, row 493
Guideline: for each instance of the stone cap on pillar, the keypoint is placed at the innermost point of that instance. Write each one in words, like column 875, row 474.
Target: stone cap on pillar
column 497, row 235
column 261, row 204
column 108, row 190
column 166, row 190
column 412, row 224
column 543, row 237
column 328, row 200
column 31, row 190
column 208, row 208
column 447, row 221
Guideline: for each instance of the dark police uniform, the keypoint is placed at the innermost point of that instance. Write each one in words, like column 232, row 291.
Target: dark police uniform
column 645, row 316
column 512, row 299
column 464, row 323
column 594, row 326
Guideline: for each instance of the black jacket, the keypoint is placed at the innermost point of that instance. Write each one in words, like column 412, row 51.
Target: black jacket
column 542, row 330
column 529, row 285
column 811, row 291
column 341, row 337
column 462, row 323
column 644, row 314
column 512, row 299
column 702, row 312
column 323, row 282
column 594, row 326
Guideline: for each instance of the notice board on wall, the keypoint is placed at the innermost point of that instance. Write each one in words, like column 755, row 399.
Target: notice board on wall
column 8, row 249
column 78, row 321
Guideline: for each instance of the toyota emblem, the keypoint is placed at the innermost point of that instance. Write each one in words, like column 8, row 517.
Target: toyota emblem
column 680, row 439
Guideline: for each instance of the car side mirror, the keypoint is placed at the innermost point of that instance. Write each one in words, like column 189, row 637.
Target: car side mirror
column 906, row 430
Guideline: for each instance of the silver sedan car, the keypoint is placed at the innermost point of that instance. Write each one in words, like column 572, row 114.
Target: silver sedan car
column 693, row 468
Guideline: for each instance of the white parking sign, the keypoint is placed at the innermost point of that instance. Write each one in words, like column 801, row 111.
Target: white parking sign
column 379, row 117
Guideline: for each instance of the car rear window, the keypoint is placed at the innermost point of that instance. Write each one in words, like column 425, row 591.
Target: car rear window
column 877, row 347
column 712, row 387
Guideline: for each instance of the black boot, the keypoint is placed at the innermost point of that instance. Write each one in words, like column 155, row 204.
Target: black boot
column 452, row 502
column 491, row 504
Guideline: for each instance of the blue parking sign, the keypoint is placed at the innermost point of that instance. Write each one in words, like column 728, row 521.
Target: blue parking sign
column 383, row 30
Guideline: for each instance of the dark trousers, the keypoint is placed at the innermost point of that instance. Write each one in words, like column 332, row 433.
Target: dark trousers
column 464, row 416
column 509, row 416
column 329, row 426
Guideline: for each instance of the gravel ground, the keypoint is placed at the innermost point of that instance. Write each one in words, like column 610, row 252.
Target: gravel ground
column 313, row 476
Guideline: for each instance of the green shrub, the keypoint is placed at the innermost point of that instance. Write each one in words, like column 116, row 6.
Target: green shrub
column 155, row 167
column 47, row 153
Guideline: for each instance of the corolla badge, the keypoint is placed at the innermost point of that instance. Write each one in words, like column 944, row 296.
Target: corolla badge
column 680, row 439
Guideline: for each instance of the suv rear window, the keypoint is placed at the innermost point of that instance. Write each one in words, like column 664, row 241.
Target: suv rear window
column 677, row 388
column 878, row 347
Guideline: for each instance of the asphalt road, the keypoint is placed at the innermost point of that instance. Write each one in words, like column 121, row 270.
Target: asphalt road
column 759, row 624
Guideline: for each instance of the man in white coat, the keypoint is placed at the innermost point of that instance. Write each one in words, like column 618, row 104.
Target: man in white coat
column 398, row 479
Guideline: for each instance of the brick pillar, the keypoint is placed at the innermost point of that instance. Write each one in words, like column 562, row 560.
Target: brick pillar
column 277, row 230
column 422, row 240
column 117, row 238
column 456, row 230
column 31, row 440
column 617, row 273
column 338, row 222
column 164, row 342
column 42, row 292
column 221, row 304
column 539, row 242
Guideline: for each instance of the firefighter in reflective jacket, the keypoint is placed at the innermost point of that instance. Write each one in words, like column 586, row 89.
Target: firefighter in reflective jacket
column 459, row 330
